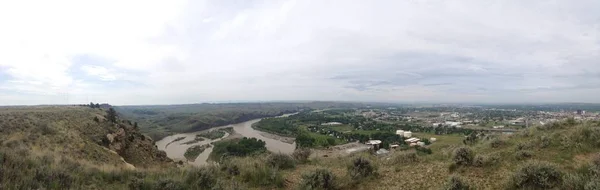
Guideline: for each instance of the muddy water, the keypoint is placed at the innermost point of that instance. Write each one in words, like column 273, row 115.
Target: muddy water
column 176, row 150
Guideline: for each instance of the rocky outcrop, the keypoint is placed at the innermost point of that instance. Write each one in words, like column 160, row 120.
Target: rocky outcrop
column 134, row 147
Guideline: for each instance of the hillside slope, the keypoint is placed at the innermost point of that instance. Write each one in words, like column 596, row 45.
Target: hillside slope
column 73, row 133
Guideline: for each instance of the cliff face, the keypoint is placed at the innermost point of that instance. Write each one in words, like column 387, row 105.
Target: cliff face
column 77, row 133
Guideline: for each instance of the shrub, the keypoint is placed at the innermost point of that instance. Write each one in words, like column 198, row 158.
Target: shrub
column 574, row 181
column 497, row 143
column 281, row 161
column 301, row 155
column 202, row 178
column 592, row 185
column 536, row 175
column 452, row 167
column 319, row 179
column 463, row 156
column 544, row 142
column 523, row 154
column 361, row 168
column 405, row 157
column 261, row 175
column 423, row 150
column 230, row 168
column 483, row 161
column 456, row 183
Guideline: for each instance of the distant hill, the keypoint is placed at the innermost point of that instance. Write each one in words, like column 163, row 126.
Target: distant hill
column 159, row 121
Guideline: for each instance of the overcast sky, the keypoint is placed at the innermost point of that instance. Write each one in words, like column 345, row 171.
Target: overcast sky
column 177, row 51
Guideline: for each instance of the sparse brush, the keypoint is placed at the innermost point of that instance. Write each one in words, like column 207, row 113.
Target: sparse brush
column 544, row 142
column 281, row 161
column 456, row 183
column 361, row 168
column 484, row 161
column 261, row 175
column 536, row 175
column 320, row 179
column 404, row 158
column 301, row 154
column 497, row 143
column 202, row 178
column 523, row 154
column 463, row 156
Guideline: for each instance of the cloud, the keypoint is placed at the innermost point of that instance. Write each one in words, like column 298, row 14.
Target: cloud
column 197, row 51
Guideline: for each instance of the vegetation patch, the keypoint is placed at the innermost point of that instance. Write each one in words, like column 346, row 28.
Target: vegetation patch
column 319, row 179
column 212, row 135
column 301, row 155
column 175, row 140
column 195, row 140
column 237, row 147
column 463, row 156
column 457, row 183
column 361, row 168
column 192, row 153
column 536, row 175
column 281, row 161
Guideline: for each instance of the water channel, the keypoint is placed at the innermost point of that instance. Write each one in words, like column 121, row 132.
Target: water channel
column 175, row 150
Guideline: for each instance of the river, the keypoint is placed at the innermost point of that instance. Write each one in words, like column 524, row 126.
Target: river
column 176, row 150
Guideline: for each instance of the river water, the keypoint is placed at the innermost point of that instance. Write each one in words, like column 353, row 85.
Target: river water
column 176, row 150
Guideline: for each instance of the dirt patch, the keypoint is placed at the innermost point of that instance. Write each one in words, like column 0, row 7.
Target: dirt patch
column 340, row 150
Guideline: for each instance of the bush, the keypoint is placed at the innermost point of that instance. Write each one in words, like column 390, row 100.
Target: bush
column 301, row 155
column 281, row 161
column 361, row 168
column 452, row 167
column 587, row 177
column 484, row 161
column 536, row 175
column 405, row 157
column 230, row 168
column 202, row 178
column 544, row 142
column 260, row 175
column 523, row 154
column 319, row 179
column 497, row 143
column 463, row 156
column 423, row 150
column 456, row 183
column 524, row 146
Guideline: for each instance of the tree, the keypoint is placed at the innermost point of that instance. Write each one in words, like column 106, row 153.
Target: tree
column 304, row 140
column 91, row 105
column 97, row 105
column 111, row 115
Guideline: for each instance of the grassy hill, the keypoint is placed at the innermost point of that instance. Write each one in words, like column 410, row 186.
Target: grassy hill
column 163, row 120
column 65, row 148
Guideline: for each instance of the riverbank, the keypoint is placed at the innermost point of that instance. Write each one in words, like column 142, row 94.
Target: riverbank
column 289, row 140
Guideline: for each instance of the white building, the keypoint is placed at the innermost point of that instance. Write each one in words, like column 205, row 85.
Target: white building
column 400, row 132
column 407, row 134
column 412, row 140
column 332, row 123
